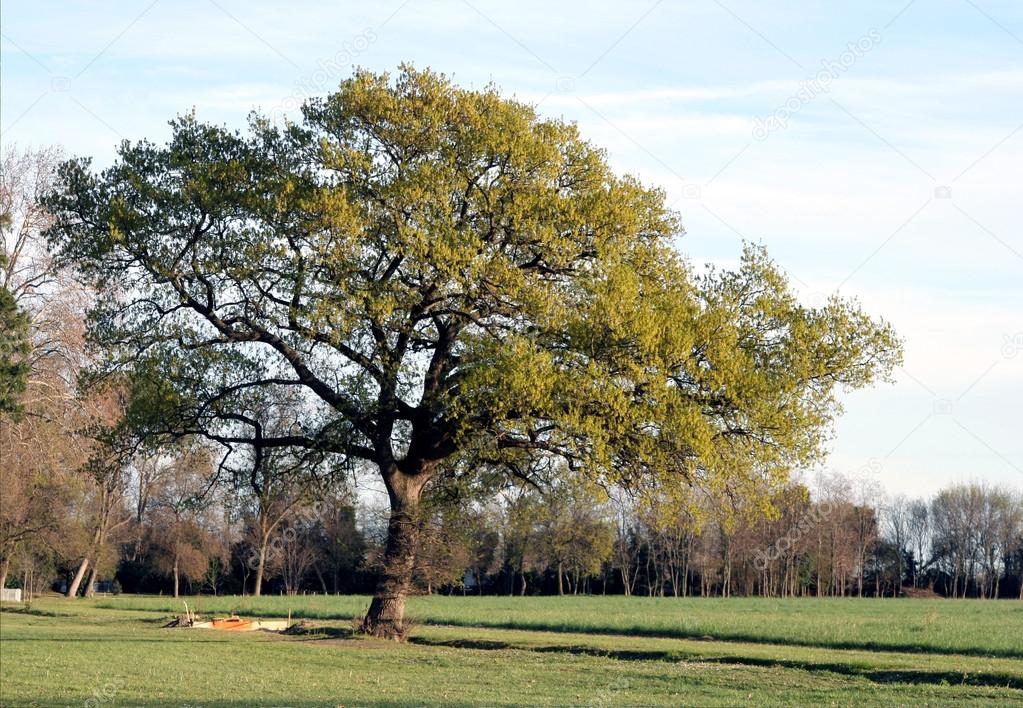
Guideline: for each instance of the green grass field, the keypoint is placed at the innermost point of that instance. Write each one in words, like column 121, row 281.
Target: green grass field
column 507, row 651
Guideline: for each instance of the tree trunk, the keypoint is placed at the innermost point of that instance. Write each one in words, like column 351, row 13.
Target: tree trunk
column 319, row 576
column 90, row 584
column 72, row 590
column 5, row 566
column 176, row 575
column 386, row 615
column 245, row 577
column 561, row 587
column 257, row 589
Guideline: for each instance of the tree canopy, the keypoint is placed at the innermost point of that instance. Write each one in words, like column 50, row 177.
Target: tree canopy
column 445, row 281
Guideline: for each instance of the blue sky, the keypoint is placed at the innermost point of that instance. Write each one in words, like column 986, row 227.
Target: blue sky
column 875, row 148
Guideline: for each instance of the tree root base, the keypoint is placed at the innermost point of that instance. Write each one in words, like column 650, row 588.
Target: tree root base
column 384, row 629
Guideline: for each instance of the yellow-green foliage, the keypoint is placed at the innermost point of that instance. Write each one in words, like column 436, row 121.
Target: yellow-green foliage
column 454, row 278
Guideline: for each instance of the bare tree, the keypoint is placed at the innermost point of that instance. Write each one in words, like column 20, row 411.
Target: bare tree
column 919, row 536
column 25, row 176
column 181, row 504
column 895, row 523
column 45, row 449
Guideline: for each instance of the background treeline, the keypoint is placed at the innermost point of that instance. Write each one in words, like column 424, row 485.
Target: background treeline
column 77, row 514
column 162, row 528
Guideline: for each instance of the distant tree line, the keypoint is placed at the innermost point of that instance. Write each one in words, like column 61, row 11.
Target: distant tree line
column 166, row 525
column 844, row 539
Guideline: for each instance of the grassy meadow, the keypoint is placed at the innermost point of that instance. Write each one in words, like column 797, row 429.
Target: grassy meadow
column 514, row 651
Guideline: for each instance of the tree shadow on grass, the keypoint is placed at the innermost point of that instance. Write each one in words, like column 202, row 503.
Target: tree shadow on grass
column 307, row 631
column 886, row 676
column 35, row 612
column 271, row 703
column 640, row 631
column 740, row 637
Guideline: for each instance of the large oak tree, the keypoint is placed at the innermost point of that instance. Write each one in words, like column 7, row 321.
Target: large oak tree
column 449, row 283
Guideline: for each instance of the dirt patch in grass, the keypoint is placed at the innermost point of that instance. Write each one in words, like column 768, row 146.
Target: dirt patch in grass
column 921, row 594
column 332, row 636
